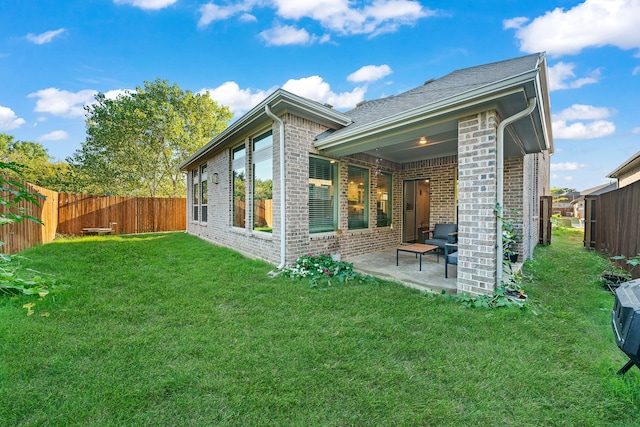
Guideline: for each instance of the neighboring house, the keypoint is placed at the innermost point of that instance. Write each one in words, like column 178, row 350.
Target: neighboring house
column 578, row 203
column 563, row 203
column 628, row 172
column 293, row 176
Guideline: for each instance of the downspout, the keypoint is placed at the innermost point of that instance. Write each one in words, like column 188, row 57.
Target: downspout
column 283, row 197
column 500, row 182
column 533, row 204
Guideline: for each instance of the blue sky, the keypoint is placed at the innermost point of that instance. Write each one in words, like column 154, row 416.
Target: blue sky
column 54, row 56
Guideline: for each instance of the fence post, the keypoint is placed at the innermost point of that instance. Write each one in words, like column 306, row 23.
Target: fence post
column 590, row 221
column 546, row 208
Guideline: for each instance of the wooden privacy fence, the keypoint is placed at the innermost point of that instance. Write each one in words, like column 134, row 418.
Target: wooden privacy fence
column 66, row 213
column 612, row 222
column 130, row 214
column 22, row 235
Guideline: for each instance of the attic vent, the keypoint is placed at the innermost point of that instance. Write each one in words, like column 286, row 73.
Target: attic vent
column 328, row 105
column 360, row 103
column 429, row 81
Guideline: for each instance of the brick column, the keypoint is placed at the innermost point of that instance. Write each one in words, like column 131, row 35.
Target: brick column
column 476, row 203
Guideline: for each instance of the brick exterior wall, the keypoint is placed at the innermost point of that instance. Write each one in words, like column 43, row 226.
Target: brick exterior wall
column 477, row 200
column 515, row 178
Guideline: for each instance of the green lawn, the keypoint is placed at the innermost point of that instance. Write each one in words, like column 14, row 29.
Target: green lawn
column 169, row 330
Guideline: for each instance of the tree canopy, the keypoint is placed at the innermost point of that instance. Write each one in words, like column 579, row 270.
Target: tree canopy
column 136, row 141
column 40, row 169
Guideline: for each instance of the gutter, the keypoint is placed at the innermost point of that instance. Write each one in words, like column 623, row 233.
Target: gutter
column 283, row 197
column 500, row 182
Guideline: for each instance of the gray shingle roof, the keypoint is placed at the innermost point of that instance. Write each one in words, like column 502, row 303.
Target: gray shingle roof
column 452, row 84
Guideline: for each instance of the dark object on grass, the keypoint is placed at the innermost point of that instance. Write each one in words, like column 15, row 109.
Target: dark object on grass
column 625, row 320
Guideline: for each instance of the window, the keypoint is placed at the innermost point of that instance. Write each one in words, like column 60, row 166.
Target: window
column 263, row 182
column 323, row 192
column 199, row 194
column 203, row 193
column 196, row 193
column 358, row 197
column 239, row 186
column 383, row 200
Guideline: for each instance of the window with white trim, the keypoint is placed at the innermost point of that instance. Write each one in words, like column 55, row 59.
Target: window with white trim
column 199, row 193
column 383, row 200
column 239, row 156
column 204, row 198
column 195, row 194
column 358, row 197
column 262, row 159
column 323, row 195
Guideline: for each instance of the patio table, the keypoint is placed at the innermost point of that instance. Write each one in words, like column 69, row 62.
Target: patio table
column 418, row 249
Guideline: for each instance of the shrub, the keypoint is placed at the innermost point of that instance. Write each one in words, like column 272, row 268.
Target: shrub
column 318, row 268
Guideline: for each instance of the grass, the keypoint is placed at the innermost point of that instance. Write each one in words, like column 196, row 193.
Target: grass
column 169, row 330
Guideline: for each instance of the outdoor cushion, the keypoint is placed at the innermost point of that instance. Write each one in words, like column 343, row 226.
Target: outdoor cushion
column 441, row 235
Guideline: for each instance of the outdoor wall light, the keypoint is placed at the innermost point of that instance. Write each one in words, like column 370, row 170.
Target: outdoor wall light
column 214, row 178
column 423, row 140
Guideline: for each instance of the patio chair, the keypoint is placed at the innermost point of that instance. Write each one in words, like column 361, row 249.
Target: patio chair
column 450, row 257
column 441, row 235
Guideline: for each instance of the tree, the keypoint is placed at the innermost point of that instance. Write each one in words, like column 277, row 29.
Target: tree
column 558, row 194
column 36, row 164
column 136, row 141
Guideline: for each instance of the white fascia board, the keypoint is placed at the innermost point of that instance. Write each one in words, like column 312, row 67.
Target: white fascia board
column 463, row 100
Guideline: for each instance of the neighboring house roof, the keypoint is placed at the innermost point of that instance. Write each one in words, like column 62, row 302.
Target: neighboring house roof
column 630, row 164
column 600, row 189
column 389, row 127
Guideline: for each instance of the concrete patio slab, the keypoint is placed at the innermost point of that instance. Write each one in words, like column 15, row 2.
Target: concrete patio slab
column 383, row 264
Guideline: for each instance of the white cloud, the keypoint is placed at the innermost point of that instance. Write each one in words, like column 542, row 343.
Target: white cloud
column 45, row 37
column 597, row 127
column 580, row 130
column 247, row 17
column 567, row 166
column 315, row 88
column 593, row 23
column 562, row 76
column 337, row 15
column 636, row 131
column 516, row 22
column 63, row 103
column 238, row 100
column 113, row 94
column 56, row 135
column 636, row 71
column 147, row 4
column 282, row 35
column 584, row 112
column 375, row 17
column 369, row 73
column 212, row 12
column 9, row 120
